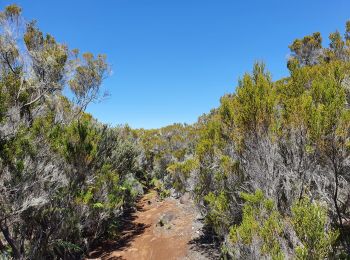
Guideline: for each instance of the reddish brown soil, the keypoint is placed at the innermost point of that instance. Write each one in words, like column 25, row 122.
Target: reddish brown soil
column 144, row 237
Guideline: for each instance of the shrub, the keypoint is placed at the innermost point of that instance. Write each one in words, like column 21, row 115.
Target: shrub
column 309, row 220
column 261, row 226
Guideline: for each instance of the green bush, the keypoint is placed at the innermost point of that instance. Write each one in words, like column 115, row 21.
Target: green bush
column 260, row 221
column 309, row 220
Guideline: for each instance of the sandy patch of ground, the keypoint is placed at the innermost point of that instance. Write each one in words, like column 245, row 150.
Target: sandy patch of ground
column 159, row 230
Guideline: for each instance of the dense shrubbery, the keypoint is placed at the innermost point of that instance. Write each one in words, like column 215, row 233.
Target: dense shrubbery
column 64, row 178
column 269, row 169
column 281, row 142
column 167, row 156
column 290, row 139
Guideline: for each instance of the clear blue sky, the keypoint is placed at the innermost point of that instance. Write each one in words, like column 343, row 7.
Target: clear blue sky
column 173, row 59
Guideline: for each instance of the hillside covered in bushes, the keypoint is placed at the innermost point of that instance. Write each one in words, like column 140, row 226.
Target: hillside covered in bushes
column 269, row 169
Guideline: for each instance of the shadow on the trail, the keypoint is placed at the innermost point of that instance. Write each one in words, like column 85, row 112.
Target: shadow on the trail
column 129, row 229
column 208, row 244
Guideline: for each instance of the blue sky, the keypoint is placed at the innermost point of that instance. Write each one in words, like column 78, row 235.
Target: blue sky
column 173, row 59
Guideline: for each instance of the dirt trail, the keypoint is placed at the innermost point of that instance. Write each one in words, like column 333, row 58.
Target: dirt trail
column 157, row 230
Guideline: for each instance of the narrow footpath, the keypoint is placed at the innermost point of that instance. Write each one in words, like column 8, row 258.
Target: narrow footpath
column 158, row 230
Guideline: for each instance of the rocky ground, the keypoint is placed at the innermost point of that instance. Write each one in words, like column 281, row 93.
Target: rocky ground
column 161, row 229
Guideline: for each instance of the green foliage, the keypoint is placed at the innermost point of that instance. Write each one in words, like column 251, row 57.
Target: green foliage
column 159, row 187
column 166, row 153
column 88, row 77
column 285, row 126
column 2, row 104
column 260, row 221
column 308, row 49
column 309, row 220
column 218, row 211
column 13, row 10
column 80, row 142
column 66, row 178
column 180, row 172
column 251, row 109
column 65, row 247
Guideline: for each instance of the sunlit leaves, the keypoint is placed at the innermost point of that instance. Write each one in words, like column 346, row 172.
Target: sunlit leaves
column 309, row 220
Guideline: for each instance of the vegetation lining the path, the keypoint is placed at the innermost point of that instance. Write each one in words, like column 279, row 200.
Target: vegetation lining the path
column 269, row 168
